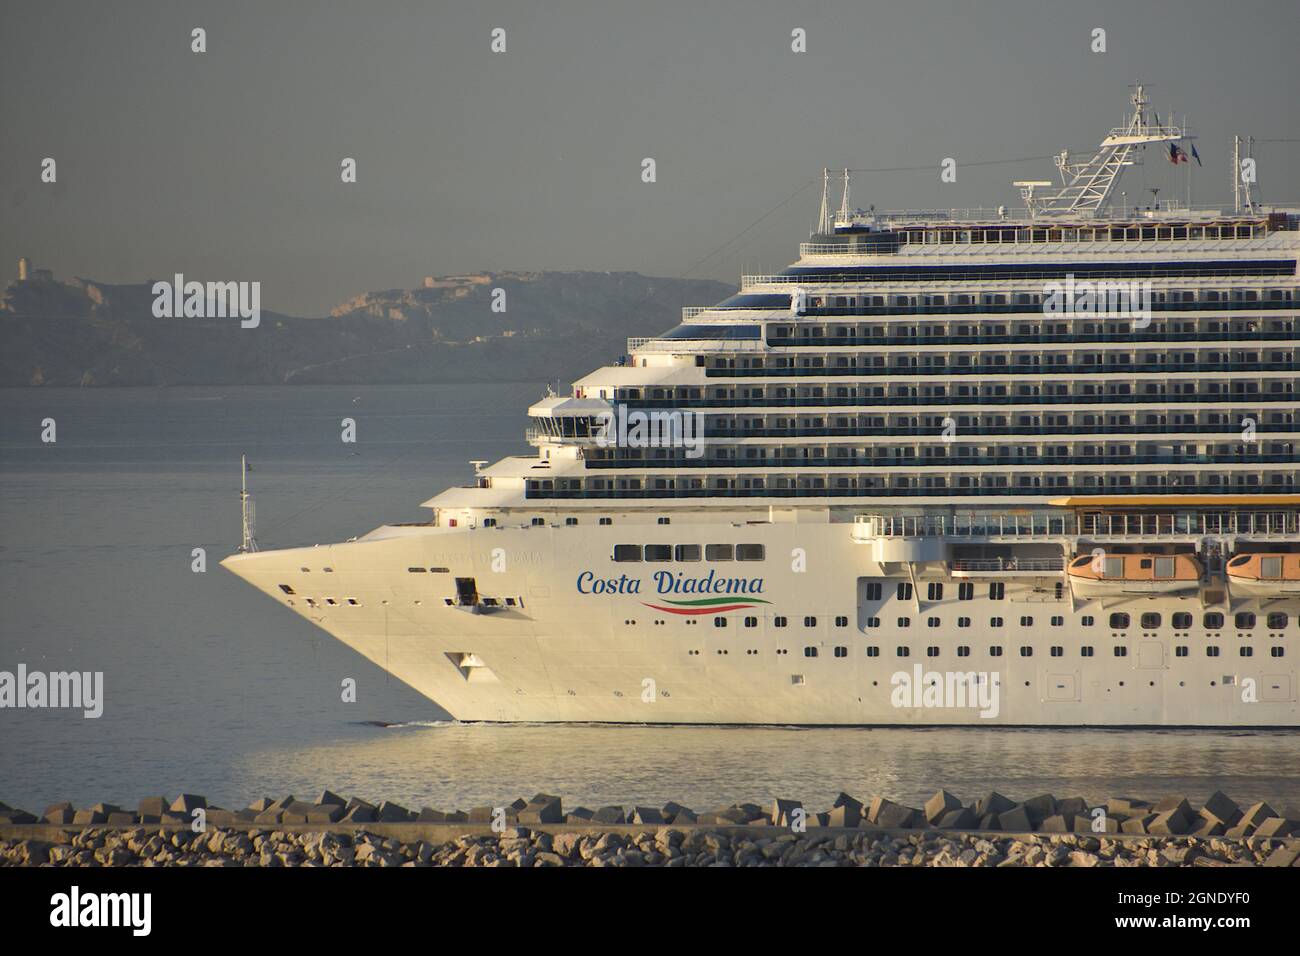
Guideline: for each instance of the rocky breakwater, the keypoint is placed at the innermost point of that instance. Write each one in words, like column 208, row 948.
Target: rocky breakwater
column 332, row 831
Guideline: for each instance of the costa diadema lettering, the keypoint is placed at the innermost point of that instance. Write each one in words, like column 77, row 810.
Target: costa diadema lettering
column 932, row 437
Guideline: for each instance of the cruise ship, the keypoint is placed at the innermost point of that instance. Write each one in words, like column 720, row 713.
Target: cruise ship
column 1029, row 466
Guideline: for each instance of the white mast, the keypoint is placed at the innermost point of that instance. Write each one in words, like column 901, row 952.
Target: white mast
column 844, row 201
column 1088, row 186
column 824, row 222
column 246, row 507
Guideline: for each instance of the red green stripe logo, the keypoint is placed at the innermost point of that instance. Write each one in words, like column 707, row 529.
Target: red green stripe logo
column 706, row 605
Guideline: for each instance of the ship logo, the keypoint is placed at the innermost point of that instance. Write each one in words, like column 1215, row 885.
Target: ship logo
column 706, row 605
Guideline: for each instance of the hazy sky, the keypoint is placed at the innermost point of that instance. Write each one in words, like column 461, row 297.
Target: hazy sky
column 226, row 165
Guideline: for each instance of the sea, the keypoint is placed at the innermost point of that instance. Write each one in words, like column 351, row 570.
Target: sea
column 210, row 688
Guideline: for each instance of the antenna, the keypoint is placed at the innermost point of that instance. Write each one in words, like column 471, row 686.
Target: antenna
column 823, row 223
column 246, row 508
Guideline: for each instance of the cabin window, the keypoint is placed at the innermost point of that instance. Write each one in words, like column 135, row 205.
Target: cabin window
column 1150, row 621
column 627, row 552
column 658, row 552
column 719, row 552
column 750, row 552
column 687, row 552
column 1245, row 620
column 1212, row 621
column 1277, row 621
column 288, row 590
column 1119, row 620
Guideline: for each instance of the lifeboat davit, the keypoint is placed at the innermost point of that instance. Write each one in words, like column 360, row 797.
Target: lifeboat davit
column 1133, row 574
column 1265, row 575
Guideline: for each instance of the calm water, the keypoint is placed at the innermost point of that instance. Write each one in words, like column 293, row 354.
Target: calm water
column 212, row 688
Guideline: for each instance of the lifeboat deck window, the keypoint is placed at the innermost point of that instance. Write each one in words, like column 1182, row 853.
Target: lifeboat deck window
column 1270, row 567
column 1239, row 561
column 1112, row 568
column 1164, row 567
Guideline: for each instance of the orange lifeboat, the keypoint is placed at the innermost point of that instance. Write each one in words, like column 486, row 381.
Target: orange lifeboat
column 1265, row 575
column 1107, row 575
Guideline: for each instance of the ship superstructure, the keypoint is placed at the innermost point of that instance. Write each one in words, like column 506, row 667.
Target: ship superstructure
column 1046, row 457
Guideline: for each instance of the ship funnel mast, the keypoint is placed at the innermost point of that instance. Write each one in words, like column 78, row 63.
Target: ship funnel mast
column 248, row 543
column 1087, row 187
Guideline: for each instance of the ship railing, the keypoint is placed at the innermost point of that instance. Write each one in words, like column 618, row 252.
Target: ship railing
column 1261, row 524
column 1013, row 563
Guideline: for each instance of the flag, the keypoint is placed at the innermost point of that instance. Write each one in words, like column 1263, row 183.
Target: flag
column 1195, row 155
column 1176, row 155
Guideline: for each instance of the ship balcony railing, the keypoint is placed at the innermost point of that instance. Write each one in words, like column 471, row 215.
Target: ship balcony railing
column 1248, row 273
column 1012, row 564
column 1263, row 524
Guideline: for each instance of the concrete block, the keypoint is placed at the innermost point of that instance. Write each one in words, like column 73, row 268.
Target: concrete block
column 247, row 815
column 282, row 803
column 992, row 802
column 822, row 819
column 327, row 798
column 845, row 814
column 682, row 815
column 105, row 808
column 1136, row 824
column 16, row 816
column 186, row 803
column 893, row 816
column 390, row 812
column 430, row 815
column 1083, row 823
column 458, row 816
column 1178, row 803
column 1222, row 808
column 1206, row 827
column 609, row 815
column 153, row 806
column 1040, row 808
column 731, row 816
column 269, row 817
column 516, row 805
column 579, row 815
column 543, row 808
column 1127, row 806
column 480, row 814
column 89, row 816
column 959, row 819
column 1284, row 856
column 328, row 813
column 260, row 804
column 940, row 805
column 219, row 818
column 647, row 815
column 1016, row 820
column 59, row 815
column 1057, row 823
column 844, row 800
column 990, row 821
column 782, row 811
column 1256, row 814
column 1172, row 822
column 1274, row 827
column 362, row 813
column 122, row 818
column 1071, row 806
column 1238, row 831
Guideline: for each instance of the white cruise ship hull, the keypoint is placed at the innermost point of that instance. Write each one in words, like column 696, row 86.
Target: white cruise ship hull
column 560, row 654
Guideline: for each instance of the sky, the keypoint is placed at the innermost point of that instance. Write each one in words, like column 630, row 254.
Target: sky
column 226, row 165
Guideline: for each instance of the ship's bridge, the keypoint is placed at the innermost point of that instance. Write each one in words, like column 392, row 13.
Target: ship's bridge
column 559, row 417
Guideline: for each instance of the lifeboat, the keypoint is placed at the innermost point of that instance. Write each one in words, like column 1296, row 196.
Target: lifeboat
column 1133, row 574
column 1265, row 575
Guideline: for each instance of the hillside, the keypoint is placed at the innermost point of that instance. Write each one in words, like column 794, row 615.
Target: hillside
column 556, row 325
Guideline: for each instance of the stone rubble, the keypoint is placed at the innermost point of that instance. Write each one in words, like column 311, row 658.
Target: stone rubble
column 333, row 831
